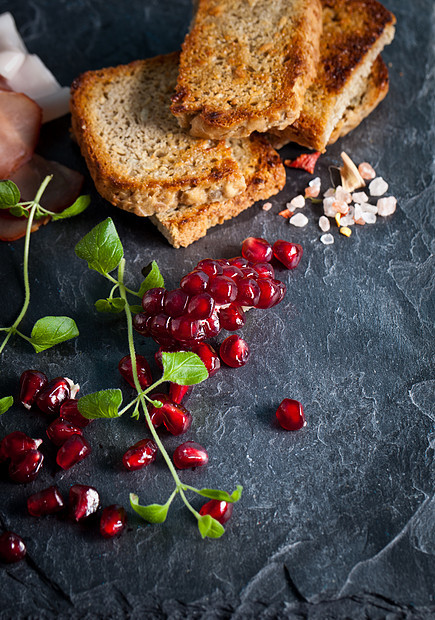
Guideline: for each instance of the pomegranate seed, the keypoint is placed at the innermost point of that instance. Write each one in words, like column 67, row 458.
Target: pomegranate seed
column 248, row 292
column 201, row 306
column 45, row 502
column 83, row 501
column 239, row 261
column 232, row 271
column 156, row 413
column 264, row 270
column 184, row 329
column 234, row 351
column 69, row 411
column 75, row 449
column 141, row 322
column 60, row 430
column 222, row 289
column 194, row 282
column 208, row 356
column 53, row 395
column 289, row 254
column 113, row 521
column 26, row 467
column 282, row 291
column 152, row 301
column 178, row 392
column 159, row 326
column 219, row 510
column 176, row 418
column 290, row 414
column 125, row 367
column 212, row 326
column 210, row 267
column 12, row 548
column 31, row 383
column 17, row 443
column 190, row 454
column 249, row 272
column 231, row 317
column 140, row 455
column 175, row 302
column 270, row 293
column 257, row 250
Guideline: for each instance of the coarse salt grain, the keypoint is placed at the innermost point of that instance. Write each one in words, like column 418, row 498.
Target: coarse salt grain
column 267, row 206
column 342, row 195
column 347, row 220
column 327, row 239
column 369, row 208
column 313, row 189
column 357, row 212
column 360, row 197
column 324, row 223
column 369, row 218
column 341, row 206
column 329, row 192
column 328, row 209
column 298, row 202
column 378, row 187
column 386, row 206
column 366, row 171
column 299, row 220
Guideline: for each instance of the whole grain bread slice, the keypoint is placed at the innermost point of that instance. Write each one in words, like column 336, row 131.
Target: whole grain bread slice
column 246, row 64
column 138, row 156
column 354, row 34
column 265, row 176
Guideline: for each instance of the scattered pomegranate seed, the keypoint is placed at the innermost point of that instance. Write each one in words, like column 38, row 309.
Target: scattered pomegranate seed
column 31, row 383
column 45, row 502
column 60, row 430
column 289, row 254
column 290, row 414
column 53, row 395
column 113, row 521
column 176, row 418
column 190, row 454
column 83, row 501
column 125, row 367
column 69, row 411
column 75, row 449
column 231, row 317
column 12, row 548
column 257, row 250
column 219, row 510
column 26, row 467
column 17, row 443
column 201, row 306
column 208, row 356
column 140, row 455
column 306, row 161
column 152, row 301
column 156, row 413
column 178, row 392
column 222, row 289
column 234, row 351
column 194, row 282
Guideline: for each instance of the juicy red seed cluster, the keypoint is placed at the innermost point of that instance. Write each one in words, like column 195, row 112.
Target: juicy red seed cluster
column 25, row 460
column 48, row 396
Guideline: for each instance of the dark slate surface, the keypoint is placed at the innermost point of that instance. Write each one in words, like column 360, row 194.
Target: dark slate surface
column 337, row 520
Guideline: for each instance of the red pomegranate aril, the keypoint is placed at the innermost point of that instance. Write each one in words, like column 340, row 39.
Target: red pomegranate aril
column 231, row 317
column 45, row 502
column 289, row 254
column 17, row 443
column 249, row 272
column 60, row 430
column 290, row 414
column 210, row 267
column 152, row 301
column 69, row 411
column 83, row 501
column 53, row 395
column 26, row 467
column 201, row 306
column 248, row 292
column 194, row 282
column 12, row 548
column 257, row 250
column 270, row 293
column 176, row 418
column 212, row 326
column 159, row 326
column 140, row 455
column 239, row 261
column 184, row 328
column 217, row 509
column 233, row 272
column 156, row 413
column 31, row 383
column 282, row 291
column 264, row 270
column 208, row 356
column 222, row 289
column 190, row 454
column 175, row 302
column 125, row 367
column 141, row 323
column 74, row 450
column 177, row 393
column 113, row 521
column 234, row 351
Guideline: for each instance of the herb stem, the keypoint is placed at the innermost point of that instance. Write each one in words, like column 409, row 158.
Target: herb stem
column 119, row 282
column 189, row 506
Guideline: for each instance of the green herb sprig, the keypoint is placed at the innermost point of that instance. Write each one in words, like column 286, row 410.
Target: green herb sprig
column 50, row 330
column 103, row 251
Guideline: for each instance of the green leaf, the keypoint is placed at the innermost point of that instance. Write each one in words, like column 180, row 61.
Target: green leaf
column 19, row 212
column 6, row 403
column 51, row 330
column 222, row 496
column 9, row 194
column 102, row 404
column 153, row 513
column 101, row 247
column 76, row 208
column 209, row 527
column 114, row 304
column 136, row 309
column 184, row 368
column 153, row 278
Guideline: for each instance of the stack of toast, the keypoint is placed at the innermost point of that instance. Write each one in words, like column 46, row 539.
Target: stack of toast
column 177, row 138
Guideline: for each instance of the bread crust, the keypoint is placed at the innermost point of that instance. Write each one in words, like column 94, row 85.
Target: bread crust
column 253, row 96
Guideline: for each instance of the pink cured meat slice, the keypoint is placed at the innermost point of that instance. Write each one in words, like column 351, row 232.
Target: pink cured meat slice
column 20, row 122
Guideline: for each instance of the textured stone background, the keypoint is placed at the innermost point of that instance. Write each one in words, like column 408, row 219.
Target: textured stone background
column 337, row 520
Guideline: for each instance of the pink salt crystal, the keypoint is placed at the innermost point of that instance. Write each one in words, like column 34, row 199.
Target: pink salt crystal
column 342, row 195
column 386, row 206
column 298, row 202
column 267, row 206
column 366, row 171
column 324, row 223
column 378, row 187
column 341, row 206
column 359, row 197
column 313, row 189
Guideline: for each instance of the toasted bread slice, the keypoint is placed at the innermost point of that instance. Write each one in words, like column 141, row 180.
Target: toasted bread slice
column 246, row 64
column 138, row 156
column 354, row 34
column 265, row 176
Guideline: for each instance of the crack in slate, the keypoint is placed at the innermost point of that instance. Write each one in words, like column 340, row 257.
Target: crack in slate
column 293, row 587
column 52, row 585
